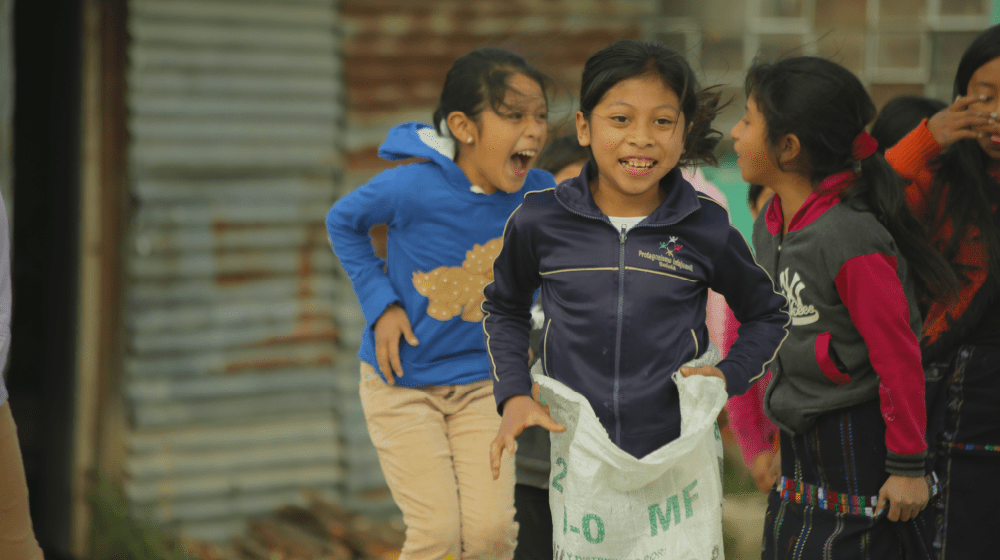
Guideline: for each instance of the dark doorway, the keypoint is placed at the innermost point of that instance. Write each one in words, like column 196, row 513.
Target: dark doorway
column 45, row 256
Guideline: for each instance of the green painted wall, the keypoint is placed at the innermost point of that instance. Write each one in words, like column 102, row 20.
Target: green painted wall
column 727, row 178
column 996, row 11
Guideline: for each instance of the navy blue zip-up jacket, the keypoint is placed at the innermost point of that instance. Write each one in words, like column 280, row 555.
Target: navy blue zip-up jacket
column 625, row 310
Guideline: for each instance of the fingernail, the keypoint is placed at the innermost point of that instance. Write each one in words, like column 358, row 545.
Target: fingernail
column 994, row 115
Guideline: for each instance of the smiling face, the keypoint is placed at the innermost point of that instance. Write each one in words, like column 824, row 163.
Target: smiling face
column 985, row 85
column 506, row 141
column 754, row 158
column 636, row 133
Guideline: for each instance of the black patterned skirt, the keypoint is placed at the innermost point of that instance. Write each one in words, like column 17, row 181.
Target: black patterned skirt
column 823, row 506
column 963, row 403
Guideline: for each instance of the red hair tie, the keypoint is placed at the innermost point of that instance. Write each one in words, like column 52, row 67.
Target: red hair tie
column 863, row 146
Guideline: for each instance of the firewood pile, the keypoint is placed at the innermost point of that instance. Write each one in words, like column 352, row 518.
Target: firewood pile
column 320, row 531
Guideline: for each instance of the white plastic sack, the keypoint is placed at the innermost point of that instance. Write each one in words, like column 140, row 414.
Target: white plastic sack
column 608, row 505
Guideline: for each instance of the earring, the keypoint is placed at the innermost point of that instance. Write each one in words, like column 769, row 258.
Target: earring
column 469, row 140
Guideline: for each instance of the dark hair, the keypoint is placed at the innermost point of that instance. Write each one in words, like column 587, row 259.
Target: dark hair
column 753, row 194
column 481, row 80
column 964, row 165
column 560, row 153
column 900, row 116
column 630, row 59
column 825, row 106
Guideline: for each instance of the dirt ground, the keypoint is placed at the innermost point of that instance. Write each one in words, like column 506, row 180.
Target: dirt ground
column 743, row 523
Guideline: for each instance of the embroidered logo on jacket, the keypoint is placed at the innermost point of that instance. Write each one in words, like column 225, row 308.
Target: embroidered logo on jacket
column 671, row 246
column 670, row 260
column 458, row 290
column 801, row 313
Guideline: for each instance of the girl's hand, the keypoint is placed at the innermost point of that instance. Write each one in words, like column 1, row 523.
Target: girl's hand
column 763, row 472
column 519, row 412
column 775, row 472
column 707, row 371
column 390, row 326
column 907, row 496
column 959, row 122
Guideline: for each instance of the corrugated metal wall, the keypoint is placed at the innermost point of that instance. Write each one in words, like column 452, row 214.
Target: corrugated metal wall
column 235, row 111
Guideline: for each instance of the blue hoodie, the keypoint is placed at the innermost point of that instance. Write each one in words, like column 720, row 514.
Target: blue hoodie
column 440, row 254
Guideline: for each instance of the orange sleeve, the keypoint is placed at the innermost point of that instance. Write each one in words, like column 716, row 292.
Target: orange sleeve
column 910, row 158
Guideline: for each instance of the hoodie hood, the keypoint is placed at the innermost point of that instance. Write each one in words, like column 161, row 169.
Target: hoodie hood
column 681, row 199
column 410, row 140
column 418, row 140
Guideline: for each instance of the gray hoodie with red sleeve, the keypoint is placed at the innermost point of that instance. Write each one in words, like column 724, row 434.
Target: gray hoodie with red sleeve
column 855, row 323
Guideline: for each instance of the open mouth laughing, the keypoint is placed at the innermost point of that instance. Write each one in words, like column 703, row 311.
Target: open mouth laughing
column 521, row 161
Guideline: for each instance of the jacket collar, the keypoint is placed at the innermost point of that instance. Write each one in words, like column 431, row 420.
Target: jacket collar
column 681, row 200
column 824, row 197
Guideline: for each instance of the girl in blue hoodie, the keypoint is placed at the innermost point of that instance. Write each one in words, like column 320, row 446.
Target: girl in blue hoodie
column 428, row 402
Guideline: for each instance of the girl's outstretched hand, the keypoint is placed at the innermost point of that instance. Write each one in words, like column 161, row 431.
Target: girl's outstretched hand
column 960, row 121
column 519, row 412
column 707, row 371
column 392, row 325
column 907, row 497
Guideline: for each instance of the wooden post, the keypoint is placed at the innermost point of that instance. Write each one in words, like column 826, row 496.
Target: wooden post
column 99, row 413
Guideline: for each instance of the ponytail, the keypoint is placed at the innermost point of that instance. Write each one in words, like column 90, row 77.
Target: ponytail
column 882, row 191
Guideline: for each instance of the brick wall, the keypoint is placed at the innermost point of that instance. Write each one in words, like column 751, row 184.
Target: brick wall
column 397, row 52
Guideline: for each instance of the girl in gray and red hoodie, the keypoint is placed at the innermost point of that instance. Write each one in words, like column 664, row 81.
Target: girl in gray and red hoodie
column 847, row 386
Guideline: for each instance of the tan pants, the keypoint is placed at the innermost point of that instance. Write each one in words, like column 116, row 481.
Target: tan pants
column 17, row 539
column 433, row 444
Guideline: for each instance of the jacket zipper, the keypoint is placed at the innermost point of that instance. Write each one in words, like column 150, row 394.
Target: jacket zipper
column 777, row 265
column 621, row 306
column 545, row 348
column 622, row 236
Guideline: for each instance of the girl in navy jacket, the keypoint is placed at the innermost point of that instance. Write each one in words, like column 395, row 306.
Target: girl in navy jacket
column 625, row 254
